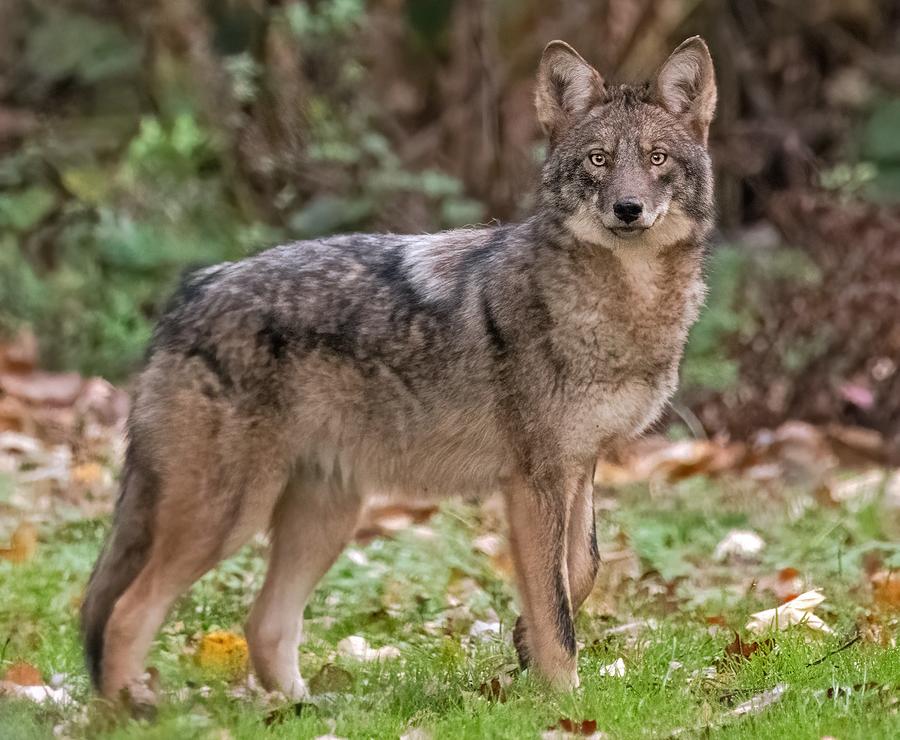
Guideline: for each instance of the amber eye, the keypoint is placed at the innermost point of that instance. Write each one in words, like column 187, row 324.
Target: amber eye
column 657, row 158
column 598, row 159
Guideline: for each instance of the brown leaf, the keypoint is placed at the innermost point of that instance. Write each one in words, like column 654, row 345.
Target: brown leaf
column 388, row 519
column 886, row 590
column 584, row 727
column 495, row 689
column 20, row 355
column 23, row 544
column 741, row 650
column 857, row 445
column 23, row 674
column 786, row 584
column 43, row 388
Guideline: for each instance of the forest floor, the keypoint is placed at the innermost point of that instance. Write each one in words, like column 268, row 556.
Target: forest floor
column 409, row 633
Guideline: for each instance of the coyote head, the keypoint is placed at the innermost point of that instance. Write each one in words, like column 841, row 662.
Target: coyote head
column 628, row 165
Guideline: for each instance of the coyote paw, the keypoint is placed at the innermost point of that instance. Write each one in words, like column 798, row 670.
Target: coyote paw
column 141, row 695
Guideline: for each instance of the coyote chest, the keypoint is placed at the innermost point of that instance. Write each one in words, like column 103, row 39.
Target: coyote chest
column 634, row 337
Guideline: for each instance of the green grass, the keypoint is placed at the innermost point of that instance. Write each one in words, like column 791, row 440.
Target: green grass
column 404, row 596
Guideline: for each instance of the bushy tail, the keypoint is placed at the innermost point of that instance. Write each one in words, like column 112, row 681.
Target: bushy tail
column 124, row 555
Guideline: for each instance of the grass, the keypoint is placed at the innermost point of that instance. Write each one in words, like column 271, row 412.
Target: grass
column 421, row 590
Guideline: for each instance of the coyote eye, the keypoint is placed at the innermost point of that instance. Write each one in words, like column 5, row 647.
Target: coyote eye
column 598, row 159
column 657, row 158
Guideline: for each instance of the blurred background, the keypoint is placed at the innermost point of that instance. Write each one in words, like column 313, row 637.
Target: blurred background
column 141, row 138
column 138, row 139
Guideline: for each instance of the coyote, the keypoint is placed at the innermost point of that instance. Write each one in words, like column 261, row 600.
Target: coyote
column 281, row 389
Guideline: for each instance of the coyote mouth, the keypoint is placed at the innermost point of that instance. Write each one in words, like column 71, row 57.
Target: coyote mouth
column 627, row 231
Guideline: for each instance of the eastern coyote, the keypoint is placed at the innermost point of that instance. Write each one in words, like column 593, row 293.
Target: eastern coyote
column 281, row 389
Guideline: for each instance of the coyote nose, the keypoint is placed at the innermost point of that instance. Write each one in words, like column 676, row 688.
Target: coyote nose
column 628, row 210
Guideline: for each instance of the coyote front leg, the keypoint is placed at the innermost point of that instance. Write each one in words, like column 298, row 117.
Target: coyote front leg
column 582, row 557
column 538, row 513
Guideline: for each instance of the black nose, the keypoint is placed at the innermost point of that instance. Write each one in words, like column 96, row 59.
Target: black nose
column 628, row 210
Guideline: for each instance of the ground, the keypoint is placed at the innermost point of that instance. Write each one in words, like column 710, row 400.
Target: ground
column 664, row 605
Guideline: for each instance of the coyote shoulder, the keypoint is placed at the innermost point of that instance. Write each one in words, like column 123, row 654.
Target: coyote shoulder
column 283, row 388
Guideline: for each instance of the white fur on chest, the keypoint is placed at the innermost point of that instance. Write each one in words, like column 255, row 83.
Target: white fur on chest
column 643, row 272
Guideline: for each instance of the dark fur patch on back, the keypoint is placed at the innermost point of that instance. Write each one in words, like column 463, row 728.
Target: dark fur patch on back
column 495, row 335
column 273, row 337
column 207, row 355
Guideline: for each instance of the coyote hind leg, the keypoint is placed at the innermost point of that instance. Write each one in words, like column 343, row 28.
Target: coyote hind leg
column 197, row 525
column 312, row 522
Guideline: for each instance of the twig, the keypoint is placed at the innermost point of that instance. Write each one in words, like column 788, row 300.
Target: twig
column 855, row 639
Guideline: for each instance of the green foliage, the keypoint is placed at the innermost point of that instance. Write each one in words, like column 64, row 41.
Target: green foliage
column 324, row 20
column 708, row 363
column 737, row 302
column 394, row 591
column 877, row 174
column 67, row 44
column 100, row 213
column 23, row 210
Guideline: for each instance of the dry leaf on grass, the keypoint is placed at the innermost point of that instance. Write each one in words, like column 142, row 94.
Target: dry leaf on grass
column 886, row 589
column 798, row 611
column 38, row 694
column 739, row 542
column 567, row 728
column 355, row 646
column 760, row 701
column 616, row 669
column 224, row 654
column 786, row 584
column 24, row 674
column 737, row 648
column 495, row 689
column 22, row 544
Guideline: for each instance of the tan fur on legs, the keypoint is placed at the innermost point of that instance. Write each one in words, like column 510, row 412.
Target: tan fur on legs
column 310, row 527
column 537, row 522
column 581, row 536
column 194, row 539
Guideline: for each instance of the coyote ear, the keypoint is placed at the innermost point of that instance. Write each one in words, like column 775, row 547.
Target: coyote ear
column 686, row 85
column 567, row 87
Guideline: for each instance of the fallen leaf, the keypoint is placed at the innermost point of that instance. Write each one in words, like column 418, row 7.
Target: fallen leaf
column 38, row 694
column 615, row 669
column 87, row 474
column 490, row 544
column 583, row 727
column 798, row 611
column 739, row 542
column 857, row 445
column 224, row 654
column 484, row 630
column 786, row 584
column 495, row 689
column 22, row 544
column 737, row 648
column 355, row 646
column 20, row 355
column 760, row 701
column 23, row 674
column 330, row 679
column 886, row 589
column 42, row 388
